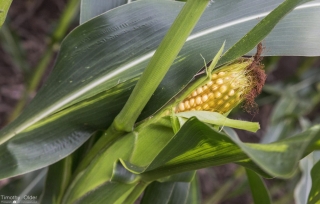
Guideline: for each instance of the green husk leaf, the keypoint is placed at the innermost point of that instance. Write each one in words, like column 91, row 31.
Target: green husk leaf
column 221, row 120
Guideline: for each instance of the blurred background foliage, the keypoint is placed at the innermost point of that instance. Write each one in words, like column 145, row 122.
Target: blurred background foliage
column 29, row 42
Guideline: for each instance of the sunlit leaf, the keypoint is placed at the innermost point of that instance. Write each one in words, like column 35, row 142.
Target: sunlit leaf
column 218, row 119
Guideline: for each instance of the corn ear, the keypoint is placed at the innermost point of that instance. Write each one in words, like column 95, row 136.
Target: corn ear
column 228, row 87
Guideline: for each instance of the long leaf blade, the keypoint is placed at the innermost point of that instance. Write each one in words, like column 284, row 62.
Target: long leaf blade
column 197, row 145
column 314, row 196
column 259, row 191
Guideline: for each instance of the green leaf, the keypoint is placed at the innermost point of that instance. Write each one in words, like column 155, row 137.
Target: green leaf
column 122, row 175
column 58, row 178
column 218, row 119
column 259, row 191
column 260, row 31
column 150, row 141
column 181, row 177
column 194, row 196
column 4, row 7
column 159, row 64
column 197, row 145
column 249, row 164
column 314, row 196
column 93, row 8
column 158, row 193
column 165, row 193
column 102, row 171
column 302, row 189
column 90, row 81
column 281, row 158
column 109, row 192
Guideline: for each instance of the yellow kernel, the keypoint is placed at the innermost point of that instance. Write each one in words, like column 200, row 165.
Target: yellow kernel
column 205, row 87
column 231, row 92
column 210, row 83
column 167, row 112
column 227, row 105
column 227, row 78
column 198, row 100
column 217, row 94
column 234, row 85
column 204, row 98
column 199, row 90
column 234, row 74
column 205, row 106
column 214, row 76
column 210, row 95
column 181, row 107
column 221, row 73
column 214, row 87
column 226, row 97
column 223, row 88
column 187, row 105
column 232, row 101
column 211, row 104
column 198, row 108
column 194, row 93
column 192, row 102
column 192, row 109
column 219, row 81
column 220, row 102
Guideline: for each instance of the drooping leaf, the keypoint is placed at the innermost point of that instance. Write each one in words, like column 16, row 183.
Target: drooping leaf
column 218, row 119
column 259, row 191
column 302, row 189
column 314, row 196
column 197, row 145
column 87, row 69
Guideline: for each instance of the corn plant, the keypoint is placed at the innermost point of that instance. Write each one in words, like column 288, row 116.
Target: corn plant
column 139, row 97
